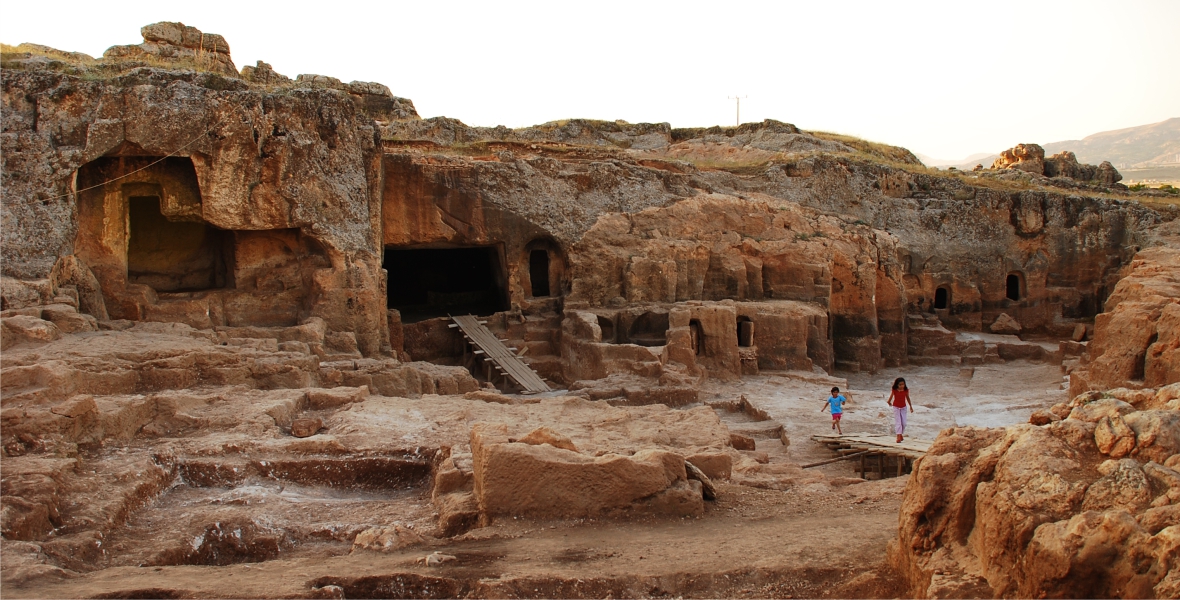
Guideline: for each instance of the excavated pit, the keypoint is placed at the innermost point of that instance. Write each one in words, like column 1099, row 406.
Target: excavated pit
column 228, row 512
column 362, row 472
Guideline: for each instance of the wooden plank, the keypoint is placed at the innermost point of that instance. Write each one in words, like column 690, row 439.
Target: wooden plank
column 495, row 352
column 825, row 462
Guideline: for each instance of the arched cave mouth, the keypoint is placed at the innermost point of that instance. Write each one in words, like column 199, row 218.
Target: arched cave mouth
column 425, row 283
column 942, row 298
column 539, row 273
column 1014, row 286
column 142, row 216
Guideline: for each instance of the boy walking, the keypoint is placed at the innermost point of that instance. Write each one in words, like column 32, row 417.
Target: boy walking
column 836, row 403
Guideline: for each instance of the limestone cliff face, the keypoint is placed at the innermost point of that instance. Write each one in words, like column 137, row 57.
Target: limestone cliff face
column 1065, row 250
column 301, row 160
column 720, row 247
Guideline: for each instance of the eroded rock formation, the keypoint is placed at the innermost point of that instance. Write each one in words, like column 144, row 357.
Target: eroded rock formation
column 1082, row 506
column 1030, row 158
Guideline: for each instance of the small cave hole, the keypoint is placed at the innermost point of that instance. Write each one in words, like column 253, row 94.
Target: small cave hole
column 745, row 332
column 539, row 272
column 608, row 329
column 942, row 298
column 1014, row 285
column 696, row 335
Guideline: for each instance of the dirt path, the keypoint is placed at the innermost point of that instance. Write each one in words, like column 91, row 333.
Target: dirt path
column 750, row 543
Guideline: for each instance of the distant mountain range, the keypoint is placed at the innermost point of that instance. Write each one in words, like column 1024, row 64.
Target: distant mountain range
column 1145, row 146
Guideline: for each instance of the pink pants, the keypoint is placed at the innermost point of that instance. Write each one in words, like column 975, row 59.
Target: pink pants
column 899, row 418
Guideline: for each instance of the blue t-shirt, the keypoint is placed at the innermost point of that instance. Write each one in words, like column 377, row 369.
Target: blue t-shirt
column 837, row 404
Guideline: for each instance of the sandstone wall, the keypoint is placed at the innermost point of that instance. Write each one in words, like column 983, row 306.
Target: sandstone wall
column 720, row 247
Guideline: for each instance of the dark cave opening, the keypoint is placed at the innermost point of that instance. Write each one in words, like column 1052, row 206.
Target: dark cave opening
column 942, row 298
column 425, row 283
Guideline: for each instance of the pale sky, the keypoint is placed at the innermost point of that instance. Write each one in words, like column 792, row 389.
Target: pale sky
column 945, row 79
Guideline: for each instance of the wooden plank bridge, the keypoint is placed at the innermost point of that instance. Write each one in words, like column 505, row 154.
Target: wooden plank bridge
column 878, row 454
column 497, row 356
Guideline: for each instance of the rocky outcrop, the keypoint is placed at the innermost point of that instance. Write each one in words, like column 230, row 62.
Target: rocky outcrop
column 1022, row 157
column 1059, row 510
column 1137, row 339
column 180, row 45
column 1065, row 164
column 234, row 152
column 1030, row 158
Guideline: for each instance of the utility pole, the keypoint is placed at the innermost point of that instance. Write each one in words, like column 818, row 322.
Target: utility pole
column 738, row 118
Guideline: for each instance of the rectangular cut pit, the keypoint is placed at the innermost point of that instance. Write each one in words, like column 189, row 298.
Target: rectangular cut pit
column 257, row 521
column 369, row 472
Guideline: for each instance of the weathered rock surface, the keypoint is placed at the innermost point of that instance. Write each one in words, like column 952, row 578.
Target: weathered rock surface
column 1074, row 508
column 516, row 478
column 1030, row 158
column 179, row 44
column 1023, row 157
column 1005, row 324
column 1137, row 339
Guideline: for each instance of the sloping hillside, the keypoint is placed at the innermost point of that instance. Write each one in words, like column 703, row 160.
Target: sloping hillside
column 1134, row 147
column 1139, row 147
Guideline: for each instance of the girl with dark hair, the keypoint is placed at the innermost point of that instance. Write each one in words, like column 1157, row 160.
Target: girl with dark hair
column 899, row 399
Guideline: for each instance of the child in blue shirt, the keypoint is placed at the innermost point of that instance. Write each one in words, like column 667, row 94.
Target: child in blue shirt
column 836, row 402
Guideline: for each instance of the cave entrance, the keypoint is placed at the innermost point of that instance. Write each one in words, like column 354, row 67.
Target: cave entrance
column 173, row 256
column 942, row 298
column 1015, row 286
column 650, row 329
column 745, row 332
column 539, row 272
column 608, row 329
column 545, row 275
column 696, row 337
column 425, row 283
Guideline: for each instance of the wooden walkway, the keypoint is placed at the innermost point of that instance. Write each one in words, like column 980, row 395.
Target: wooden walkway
column 498, row 356
column 880, row 454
